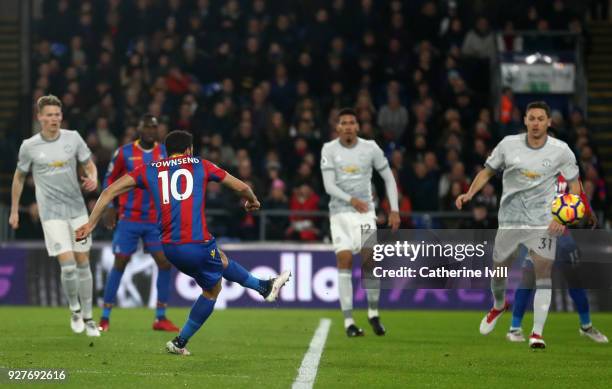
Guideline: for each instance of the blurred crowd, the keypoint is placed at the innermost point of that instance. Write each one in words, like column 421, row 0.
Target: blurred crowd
column 259, row 84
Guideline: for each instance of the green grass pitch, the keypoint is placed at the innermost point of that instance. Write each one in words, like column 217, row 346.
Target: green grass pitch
column 248, row 348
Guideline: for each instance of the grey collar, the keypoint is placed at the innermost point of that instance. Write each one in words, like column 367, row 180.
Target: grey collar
column 535, row 148
column 52, row 140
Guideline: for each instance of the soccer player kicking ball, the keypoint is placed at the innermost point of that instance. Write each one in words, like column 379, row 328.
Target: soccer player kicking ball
column 137, row 220
column 52, row 157
column 346, row 166
column 178, row 187
column 530, row 163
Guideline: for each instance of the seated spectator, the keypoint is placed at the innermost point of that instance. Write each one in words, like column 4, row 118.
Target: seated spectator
column 303, row 227
column 393, row 118
column 276, row 199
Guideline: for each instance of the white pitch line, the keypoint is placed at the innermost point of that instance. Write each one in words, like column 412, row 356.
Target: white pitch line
column 307, row 372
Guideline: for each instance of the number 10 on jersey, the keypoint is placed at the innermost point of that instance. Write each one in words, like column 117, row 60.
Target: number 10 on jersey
column 170, row 188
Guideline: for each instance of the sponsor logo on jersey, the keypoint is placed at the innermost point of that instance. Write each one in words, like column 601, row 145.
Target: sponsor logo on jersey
column 58, row 163
column 531, row 174
column 351, row 169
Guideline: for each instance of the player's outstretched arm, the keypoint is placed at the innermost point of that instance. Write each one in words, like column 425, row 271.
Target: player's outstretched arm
column 122, row 185
column 16, row 190
column 479, row 182
column 243, row 190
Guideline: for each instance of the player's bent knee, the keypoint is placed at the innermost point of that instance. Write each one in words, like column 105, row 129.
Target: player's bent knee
column 224, row 260
column 213, row 293
column 163, row 264
column 161, row 260
column 344, row 260
column 68, row 268
column 121, row 262
column 542, row 266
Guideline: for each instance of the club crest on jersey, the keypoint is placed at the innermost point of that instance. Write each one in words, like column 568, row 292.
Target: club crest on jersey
column 68, row 149
column 546, row 162
column 212, row 253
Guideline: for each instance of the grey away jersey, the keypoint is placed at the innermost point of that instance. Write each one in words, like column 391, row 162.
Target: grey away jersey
column 54, row 167
column 530, row 178
column 353, row 171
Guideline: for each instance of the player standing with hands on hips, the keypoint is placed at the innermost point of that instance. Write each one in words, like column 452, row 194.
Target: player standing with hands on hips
column 52, row 156
column 531, row 163
column 346, row 166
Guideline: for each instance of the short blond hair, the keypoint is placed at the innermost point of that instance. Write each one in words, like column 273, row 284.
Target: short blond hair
column 43, row 101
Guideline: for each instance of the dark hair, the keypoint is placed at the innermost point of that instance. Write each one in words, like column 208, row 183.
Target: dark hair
column 539, row 105
column 347, row 111
column 178, row 141
column 148, row 120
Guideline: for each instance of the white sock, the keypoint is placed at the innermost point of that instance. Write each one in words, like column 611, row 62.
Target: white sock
column 70, row 283
column 348, row 322
column 372, row 287
column 498, row 288
column 541, row 304
column 345, row 291
column 85, row 289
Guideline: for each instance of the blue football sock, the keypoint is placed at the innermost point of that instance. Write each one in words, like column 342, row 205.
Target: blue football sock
column 106, row 311
column 581, row 300
column 110, row 290
column 163, row 291
column 236, row 273
column 200, row 311
column 521, row 298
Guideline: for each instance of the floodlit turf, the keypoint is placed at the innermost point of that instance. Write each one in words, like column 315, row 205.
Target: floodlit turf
column 264, row 348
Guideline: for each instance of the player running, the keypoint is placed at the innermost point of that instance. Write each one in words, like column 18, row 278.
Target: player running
column 137, row 221
column 346, row 166
column 531, row 163
column 567, row 256
column 178, row 187
column 52, row 156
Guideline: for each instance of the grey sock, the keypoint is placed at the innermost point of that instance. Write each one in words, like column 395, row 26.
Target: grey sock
column 498, row 287
column 345, row 290
column 85, row 289
column 70, row 283
column 372, row 287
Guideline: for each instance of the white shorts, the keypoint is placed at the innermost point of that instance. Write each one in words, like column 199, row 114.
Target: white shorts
column 539, row 241
column 346, row 229
column 60, row 237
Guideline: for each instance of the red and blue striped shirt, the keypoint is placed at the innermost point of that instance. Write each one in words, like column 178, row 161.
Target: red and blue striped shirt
column 136, row 205
column 177, row 186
